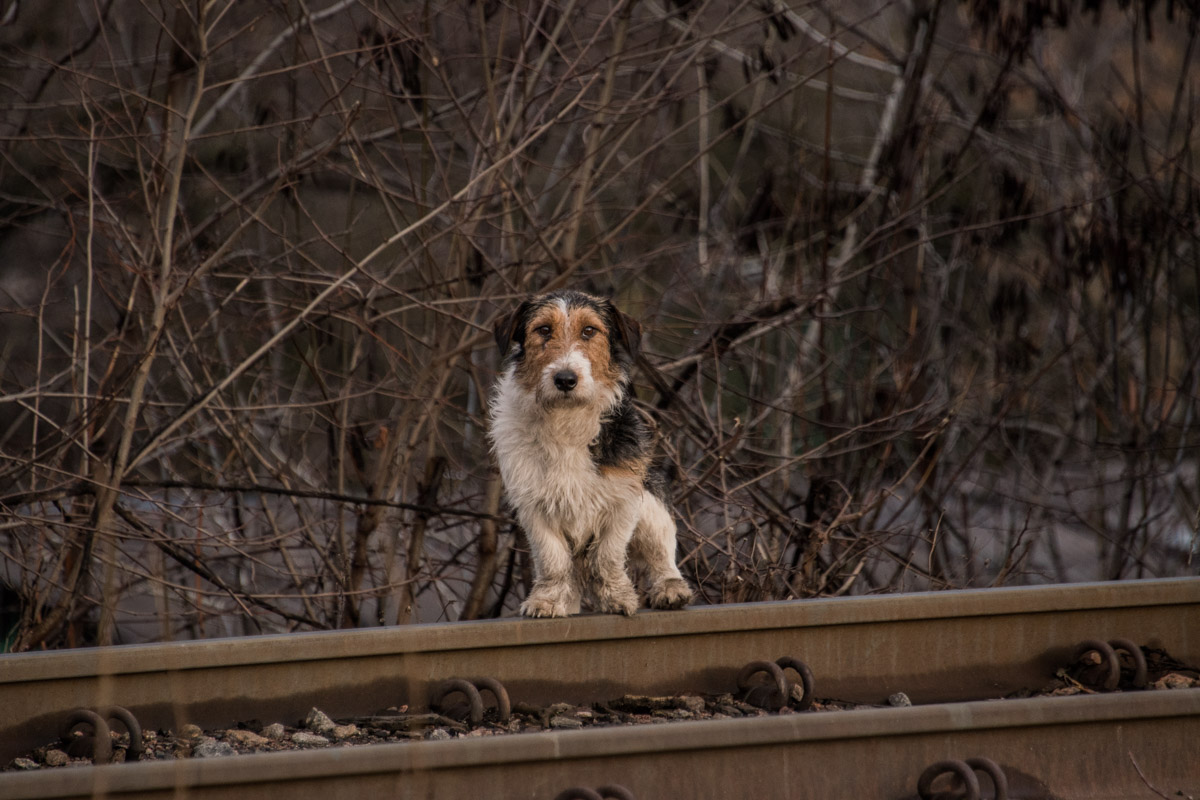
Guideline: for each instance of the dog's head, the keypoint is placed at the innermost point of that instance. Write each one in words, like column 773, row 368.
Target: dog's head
column 569, row 348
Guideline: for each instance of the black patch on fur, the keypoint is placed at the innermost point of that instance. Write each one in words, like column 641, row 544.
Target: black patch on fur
column 660, row 478
column 623, row 436
column 510, row 330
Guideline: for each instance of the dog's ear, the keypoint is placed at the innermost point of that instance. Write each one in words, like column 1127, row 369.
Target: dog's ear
column 511, row 327
column 629, row 333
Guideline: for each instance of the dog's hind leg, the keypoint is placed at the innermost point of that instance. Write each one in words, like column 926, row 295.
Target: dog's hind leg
column 555, row 592
column 654, row 545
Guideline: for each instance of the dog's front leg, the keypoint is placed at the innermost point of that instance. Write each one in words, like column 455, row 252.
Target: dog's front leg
column 554, row 592
column 607, row 570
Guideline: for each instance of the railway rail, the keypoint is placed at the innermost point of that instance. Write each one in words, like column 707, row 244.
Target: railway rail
column 952, row 653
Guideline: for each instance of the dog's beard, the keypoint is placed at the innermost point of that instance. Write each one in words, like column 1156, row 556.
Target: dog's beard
column 551, row 398
column 598, row 395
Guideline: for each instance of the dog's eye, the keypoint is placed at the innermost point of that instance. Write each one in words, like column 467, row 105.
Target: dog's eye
column 588, row 332
column 543, row 331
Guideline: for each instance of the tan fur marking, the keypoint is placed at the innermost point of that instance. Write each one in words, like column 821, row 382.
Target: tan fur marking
column 554, row 332
column 632, row 470
column 541, row 350
column 595, row 348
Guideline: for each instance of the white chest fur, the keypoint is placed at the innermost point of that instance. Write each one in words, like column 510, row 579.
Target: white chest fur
column 547, row 468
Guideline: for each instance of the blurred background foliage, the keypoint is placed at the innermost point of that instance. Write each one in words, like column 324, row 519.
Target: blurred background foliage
column 919, row 280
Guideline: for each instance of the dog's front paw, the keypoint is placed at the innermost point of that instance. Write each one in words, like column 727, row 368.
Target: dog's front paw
column 545, row 604
column 671, row 593
column 620, row 599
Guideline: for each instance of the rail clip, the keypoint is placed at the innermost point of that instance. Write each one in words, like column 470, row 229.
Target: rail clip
column 968, row 782
column 471, row 691
column 775, row 695
column 97, row 745
column 1108, row 655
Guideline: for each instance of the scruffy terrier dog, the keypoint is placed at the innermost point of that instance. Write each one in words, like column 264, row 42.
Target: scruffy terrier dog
column 575, row 457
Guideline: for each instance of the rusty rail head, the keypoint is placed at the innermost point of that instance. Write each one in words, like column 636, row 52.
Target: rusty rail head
column 978, row 642
column 705, row 620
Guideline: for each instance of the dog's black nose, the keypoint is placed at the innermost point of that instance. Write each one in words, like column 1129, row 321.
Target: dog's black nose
column 565, row 380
